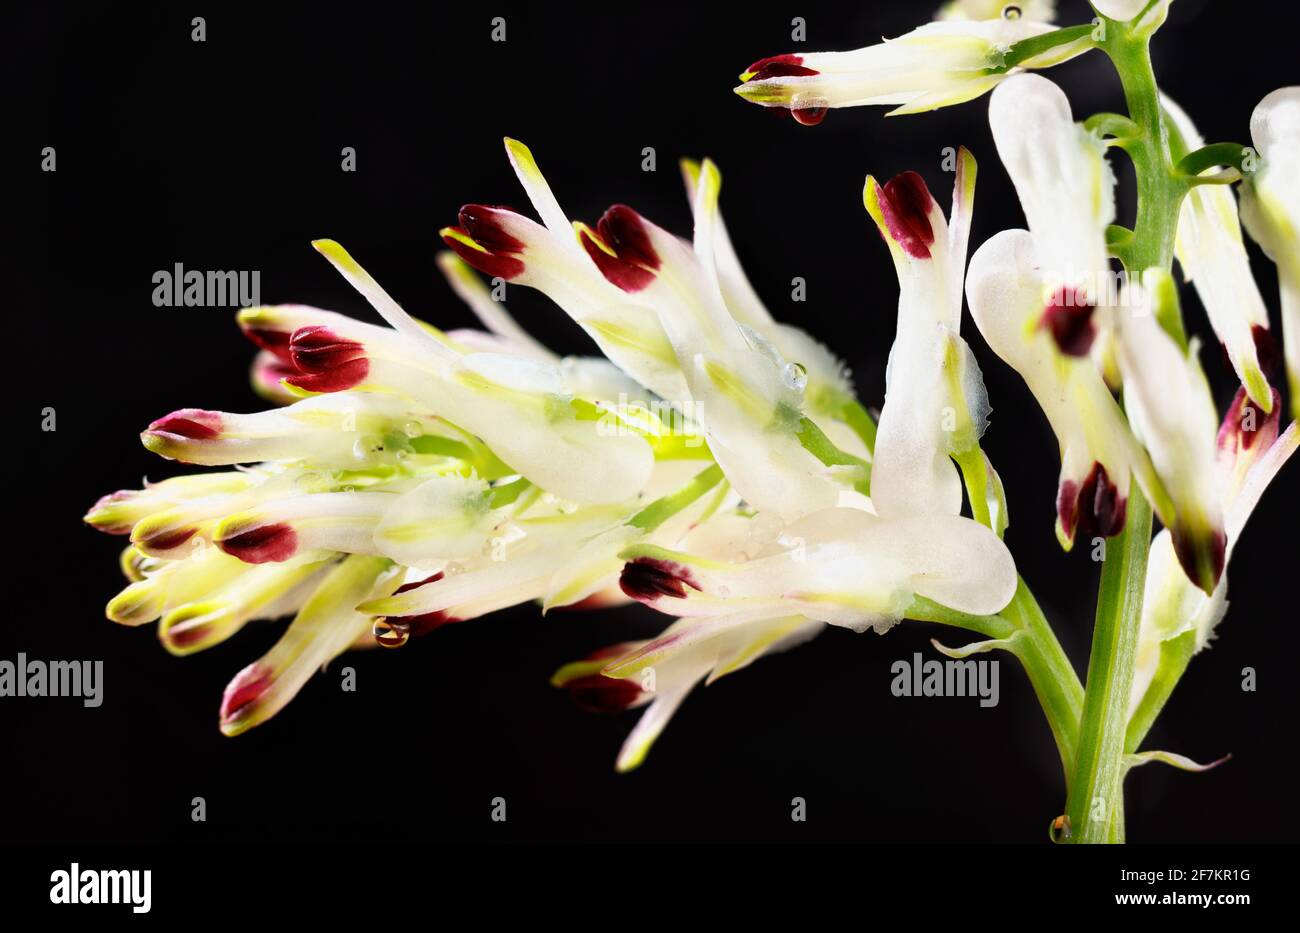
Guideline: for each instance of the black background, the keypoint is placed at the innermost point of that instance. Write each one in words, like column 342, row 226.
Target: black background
column 226, row 155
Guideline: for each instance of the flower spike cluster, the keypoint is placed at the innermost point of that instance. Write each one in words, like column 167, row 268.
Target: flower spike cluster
column 413, row 477
column 715, row 465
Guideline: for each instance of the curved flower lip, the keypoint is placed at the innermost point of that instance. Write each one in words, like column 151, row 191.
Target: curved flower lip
column 483, row 242
column 621, row 248
column 326, row 361
column 110, row 514
column 1093, row 507
column 259, row 544
column 788, row 65
column 904, row 204
column 594, row 692
column 194, row 424
column 645, row 579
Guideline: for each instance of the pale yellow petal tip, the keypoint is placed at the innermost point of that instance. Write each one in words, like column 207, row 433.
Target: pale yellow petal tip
column 690, row 172
column 460, row 236
column 1257, row 387
column 521, row 156
column 632, row 759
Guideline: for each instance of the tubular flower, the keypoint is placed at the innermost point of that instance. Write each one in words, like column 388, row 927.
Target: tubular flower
column 1212, row 253
column 935, row 65
column 1099, row 454
column 1250, row 452
column 413, row 477
column 742, row 587
column 935, row 403
column 1066, row 190
column 1270, row 209
column 1172, row 412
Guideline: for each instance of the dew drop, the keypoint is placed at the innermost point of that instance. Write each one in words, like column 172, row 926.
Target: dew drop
column 795, row 376
column 412, row 429
column 808, row 109
column 1059, row 830
column 391, row 634
column 1011, row 12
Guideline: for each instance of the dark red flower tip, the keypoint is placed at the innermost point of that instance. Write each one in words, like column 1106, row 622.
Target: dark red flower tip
column 275, row 341
column 484, row 225
column 646, row 579
column 789, row 58
column 597, row 693
column 265, row 544
column 1202, row 556
column 1267, row 352
column 182, row 635
column 778, row 66
column 337, row 379
column 1093, row 508
column 490, row 264
column 426, row 622
column 1068, row 315
column 167, row 539
column 317, row 349
column 905, row 205
column 633, row 265
column 248, row 685
column 193, row 423
column 1245, row 426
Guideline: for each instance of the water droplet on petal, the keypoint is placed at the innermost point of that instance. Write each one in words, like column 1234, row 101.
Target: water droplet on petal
column 808, row 109
column 1059, row 830
column 391, row 633
column 795, row 376
column 413, row 429
column 1011, row 11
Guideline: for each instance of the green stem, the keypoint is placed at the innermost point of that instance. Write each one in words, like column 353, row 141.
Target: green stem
column 1096, row 787
column 1050, row 673
column 1094, row 805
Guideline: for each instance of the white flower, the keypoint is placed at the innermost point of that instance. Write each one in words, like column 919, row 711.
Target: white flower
column 1212, row 254
column 1270, row 209
column 1250, row 454
column 1099, row 455
column 935, row 65
column 935, row 403
column 1170, row 407
column 1066, row 190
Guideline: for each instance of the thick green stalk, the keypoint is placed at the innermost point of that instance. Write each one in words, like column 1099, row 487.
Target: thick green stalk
column 1097, row 785
column 1095, row 803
